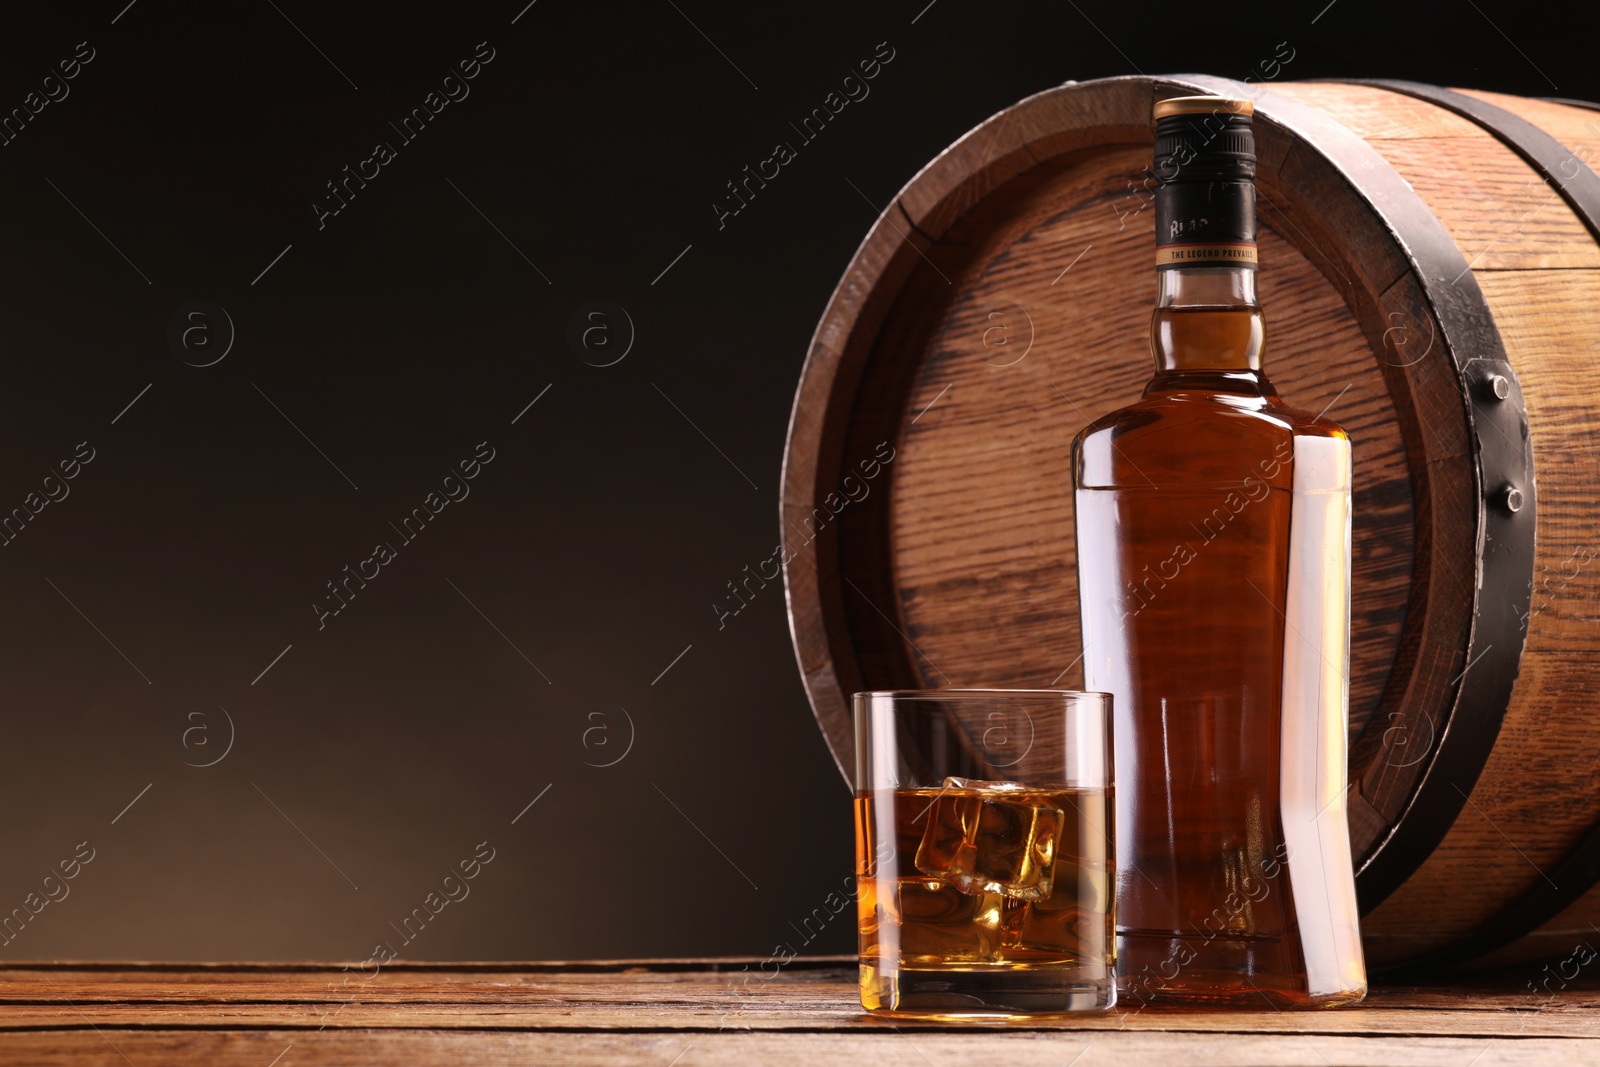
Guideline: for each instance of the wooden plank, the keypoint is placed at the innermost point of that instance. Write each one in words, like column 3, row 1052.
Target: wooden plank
column 1557, row 938
column 1549, row 321
column 689, row 1013
column 1575, row 127
column 1533, row 801
column 1376, row 114
column 804, row 995
column 886, row 1047
column 1501, row 213
column 828, row 1010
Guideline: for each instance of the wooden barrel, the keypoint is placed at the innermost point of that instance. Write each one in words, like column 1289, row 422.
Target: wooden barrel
column 1430, row 277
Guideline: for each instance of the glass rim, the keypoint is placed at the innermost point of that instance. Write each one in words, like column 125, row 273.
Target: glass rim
column 1065, row 735
column 973, row 693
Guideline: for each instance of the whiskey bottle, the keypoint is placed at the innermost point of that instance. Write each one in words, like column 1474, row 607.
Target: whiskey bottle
column 1213, row 537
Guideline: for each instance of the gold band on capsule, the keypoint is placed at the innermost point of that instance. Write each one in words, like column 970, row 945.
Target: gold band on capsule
column 1202, row 105
column 1168, row 255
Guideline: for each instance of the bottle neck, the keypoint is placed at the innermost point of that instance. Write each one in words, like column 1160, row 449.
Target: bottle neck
column 1207, row 321
column 1207, row 331
column 1212, row 288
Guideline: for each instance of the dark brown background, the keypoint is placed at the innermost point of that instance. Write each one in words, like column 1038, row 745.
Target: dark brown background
column 187, row 156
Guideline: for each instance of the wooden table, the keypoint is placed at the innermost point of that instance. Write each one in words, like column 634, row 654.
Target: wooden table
column 691, row 1013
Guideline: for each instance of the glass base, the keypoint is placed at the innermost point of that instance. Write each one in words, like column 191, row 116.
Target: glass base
column 996, row 993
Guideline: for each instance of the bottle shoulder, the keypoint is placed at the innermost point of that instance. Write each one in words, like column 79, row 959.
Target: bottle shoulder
column 1161, row 412
column 1196, row 437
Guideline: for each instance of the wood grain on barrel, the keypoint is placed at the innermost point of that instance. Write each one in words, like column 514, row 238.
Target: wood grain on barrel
column 1049, row 329
column 1555, row 319
column 1534, row 799
column 1575, row 127
column 1355, row 256
column 880, row 650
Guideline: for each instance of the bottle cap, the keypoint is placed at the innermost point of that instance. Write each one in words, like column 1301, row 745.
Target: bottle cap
column 1204, row 138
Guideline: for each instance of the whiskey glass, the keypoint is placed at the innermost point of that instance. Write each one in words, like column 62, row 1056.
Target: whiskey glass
column 985, row 866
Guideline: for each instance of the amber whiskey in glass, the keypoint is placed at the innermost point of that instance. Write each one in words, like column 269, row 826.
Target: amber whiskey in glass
column 1213, row 539
column 984, row 853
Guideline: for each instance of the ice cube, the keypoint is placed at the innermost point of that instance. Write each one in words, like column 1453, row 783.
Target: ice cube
column 942, row 924
column 1074, row 920
column 991, row 837
column 1070, row 933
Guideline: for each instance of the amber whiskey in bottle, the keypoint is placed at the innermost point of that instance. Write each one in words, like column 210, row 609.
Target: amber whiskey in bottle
column 1213, row 537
